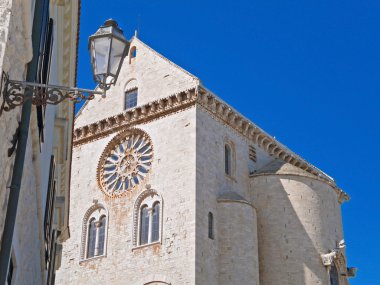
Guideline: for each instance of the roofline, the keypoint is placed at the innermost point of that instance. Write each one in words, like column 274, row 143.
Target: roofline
column 268, row 135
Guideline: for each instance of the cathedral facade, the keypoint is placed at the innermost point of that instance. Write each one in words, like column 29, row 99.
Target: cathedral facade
column 171, row 185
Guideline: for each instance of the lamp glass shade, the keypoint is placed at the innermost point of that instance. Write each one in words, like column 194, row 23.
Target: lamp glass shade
column 101, row 47
column 116, row 55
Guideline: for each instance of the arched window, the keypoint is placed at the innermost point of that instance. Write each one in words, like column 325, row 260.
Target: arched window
column 334, row 276
column 210, row 225
column 147, row 218
column 132, row 54
column 91, row 239
column 101, row 235
column 94, row 235
column 155, row 221
column 144, row 226
column 227, row 159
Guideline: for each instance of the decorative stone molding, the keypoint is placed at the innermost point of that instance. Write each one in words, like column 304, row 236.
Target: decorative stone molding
column 228, row 116
column 334, row 255
column 217, row 108
column 125, row 163
column 149, row 192
column 351, row 272
column 95, row 207
column 154, row 279
column 132, row 117
column 343, row 197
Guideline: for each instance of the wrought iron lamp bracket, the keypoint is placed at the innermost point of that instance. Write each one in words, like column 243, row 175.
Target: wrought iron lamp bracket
column 15, row 93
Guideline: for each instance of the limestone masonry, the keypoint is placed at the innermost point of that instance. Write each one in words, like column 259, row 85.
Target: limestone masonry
column 171, row 185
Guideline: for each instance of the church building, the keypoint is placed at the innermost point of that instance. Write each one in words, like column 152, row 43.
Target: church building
column 171, row 185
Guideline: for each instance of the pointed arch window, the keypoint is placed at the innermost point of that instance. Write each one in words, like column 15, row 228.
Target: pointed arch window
column 147, row 218
column 94, row 235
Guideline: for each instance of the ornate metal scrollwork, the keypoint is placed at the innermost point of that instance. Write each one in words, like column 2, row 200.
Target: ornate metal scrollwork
column 15, row 93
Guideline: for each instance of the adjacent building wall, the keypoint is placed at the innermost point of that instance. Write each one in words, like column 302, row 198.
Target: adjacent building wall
column 16, row 22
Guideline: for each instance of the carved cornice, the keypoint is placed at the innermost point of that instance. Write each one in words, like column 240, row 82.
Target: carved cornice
column 220, row 110
column 228, row 116
column 139, row 115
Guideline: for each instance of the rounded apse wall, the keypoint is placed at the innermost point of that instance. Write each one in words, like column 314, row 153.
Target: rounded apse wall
column 299, row 218
column 237, row 235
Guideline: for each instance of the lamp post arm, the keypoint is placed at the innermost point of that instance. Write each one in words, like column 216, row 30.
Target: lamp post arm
column 13, row 93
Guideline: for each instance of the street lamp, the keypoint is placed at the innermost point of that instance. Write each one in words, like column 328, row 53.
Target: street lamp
column 107, row 48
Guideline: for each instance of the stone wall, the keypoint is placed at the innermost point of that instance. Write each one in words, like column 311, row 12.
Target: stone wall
column 299, row 219
column 212, row 182
column 238, row 249
column 189, row 172
column 173, row 177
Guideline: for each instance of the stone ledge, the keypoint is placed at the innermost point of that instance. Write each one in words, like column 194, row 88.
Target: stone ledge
column 218, row 109
column 138, row 115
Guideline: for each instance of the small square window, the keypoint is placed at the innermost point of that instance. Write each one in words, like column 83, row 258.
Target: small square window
column 130, row 99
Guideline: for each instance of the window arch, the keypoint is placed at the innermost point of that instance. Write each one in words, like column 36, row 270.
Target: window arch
column 147, row 218
column 94, row 232
column 334, row 275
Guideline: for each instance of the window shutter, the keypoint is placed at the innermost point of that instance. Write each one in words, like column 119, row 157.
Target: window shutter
column 49, row 211
column 44, row 65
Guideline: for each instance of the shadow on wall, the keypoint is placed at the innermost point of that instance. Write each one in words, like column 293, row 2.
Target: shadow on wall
column 298, row 220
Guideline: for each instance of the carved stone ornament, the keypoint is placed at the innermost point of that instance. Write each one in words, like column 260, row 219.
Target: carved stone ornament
column 335, row 254
column 125, row 163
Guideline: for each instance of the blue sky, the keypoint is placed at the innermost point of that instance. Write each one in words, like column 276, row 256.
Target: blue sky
column 308, row 72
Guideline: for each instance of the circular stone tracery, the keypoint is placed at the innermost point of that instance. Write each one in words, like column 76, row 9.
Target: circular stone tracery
column 125, row 162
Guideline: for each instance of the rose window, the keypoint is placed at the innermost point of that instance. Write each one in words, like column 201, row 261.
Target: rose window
column 125, row 163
